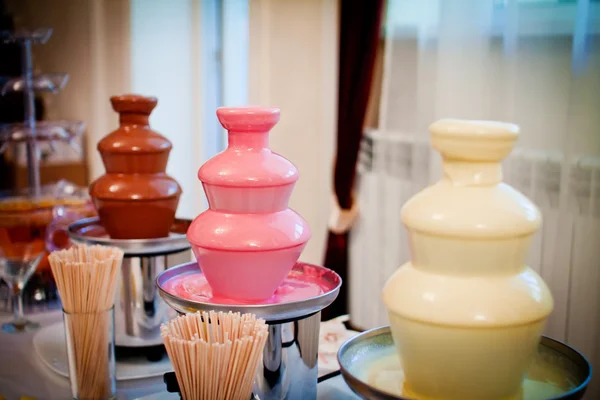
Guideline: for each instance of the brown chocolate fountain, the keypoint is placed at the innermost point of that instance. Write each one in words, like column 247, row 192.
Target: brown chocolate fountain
column 135, row 199
column 136, row 203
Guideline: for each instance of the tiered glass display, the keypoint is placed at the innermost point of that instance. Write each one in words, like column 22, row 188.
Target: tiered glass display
column 25, row 215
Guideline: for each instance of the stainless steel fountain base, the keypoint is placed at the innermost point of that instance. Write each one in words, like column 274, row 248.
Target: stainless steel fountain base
column 290, row 368
column 139, row 311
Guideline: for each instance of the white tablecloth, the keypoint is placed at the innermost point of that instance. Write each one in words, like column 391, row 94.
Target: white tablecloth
column 23, row 374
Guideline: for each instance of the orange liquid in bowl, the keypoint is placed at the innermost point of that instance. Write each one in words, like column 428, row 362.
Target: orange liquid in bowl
column 23, row 224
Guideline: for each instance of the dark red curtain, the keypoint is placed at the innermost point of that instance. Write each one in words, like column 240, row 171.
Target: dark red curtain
column 360, row 25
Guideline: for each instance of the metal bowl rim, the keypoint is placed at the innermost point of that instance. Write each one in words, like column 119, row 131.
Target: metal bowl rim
column 386, row 329
column 581, row 387
column 309, row 304
column 131, row 246
column 348, row 376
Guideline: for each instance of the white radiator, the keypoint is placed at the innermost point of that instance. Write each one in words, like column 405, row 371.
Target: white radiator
column 566, row 250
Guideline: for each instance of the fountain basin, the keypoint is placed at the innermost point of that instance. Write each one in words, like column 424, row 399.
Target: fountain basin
column 370, row 366
column 272, row 312
column 246, row 275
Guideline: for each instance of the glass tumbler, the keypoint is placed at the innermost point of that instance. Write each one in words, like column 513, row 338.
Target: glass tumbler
column 90, row 341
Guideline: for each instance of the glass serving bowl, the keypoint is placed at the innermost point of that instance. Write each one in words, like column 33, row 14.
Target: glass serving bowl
column 29, row 227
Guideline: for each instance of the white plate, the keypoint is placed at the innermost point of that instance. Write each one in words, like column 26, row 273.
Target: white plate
column 332, row 335
column 49, row 345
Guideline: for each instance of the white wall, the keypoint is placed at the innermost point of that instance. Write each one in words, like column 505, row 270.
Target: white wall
column 235, row 52
column 293, row 65
column 165, row 63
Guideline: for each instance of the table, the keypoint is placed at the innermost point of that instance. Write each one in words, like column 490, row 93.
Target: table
column 23, row 374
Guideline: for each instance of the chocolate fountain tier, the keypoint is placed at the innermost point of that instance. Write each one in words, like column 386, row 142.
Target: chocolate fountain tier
column 248, row 162
column 134, row 147
column 139, row 311
column 136, row 206
column 290, row 365
column 371, row 367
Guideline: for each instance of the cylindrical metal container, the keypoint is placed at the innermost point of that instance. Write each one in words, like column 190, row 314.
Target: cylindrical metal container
column 139, row 311
column 290, row 367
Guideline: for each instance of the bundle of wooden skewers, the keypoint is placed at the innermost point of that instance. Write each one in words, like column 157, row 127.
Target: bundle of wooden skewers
column 215, row 355
column 86, row 278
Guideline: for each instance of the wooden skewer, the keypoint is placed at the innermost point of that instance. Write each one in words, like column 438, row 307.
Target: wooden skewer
column 86, row 278
column 215, row 355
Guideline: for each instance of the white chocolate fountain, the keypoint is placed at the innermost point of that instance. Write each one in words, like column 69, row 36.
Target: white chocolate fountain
column 466, row 313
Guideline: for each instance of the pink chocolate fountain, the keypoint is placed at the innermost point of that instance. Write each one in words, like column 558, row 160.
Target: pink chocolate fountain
column 247, row 246
column 248, row 240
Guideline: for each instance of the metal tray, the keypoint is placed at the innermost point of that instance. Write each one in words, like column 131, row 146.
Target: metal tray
column 271, row 313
